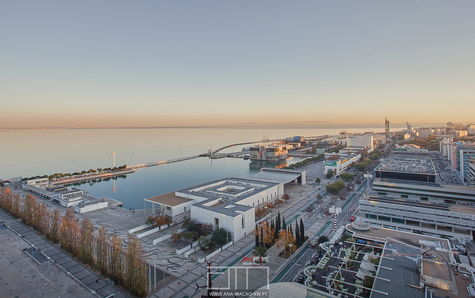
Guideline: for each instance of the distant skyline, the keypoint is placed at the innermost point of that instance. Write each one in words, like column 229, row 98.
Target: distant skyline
column 236, row 63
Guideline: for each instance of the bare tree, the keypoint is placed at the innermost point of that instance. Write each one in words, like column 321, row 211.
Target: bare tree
column 102, row 251
column 86, row 245
column 116, row 260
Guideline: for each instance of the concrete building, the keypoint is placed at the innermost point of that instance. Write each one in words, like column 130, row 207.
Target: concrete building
column 361, row 142
column 421, row 217
column 228, row 203
column 339, row 162
column 410, row 148
column 471, row 129
column 424, row 132
column 461, row 157
column 406, row 196
column 460, row 133
column 379, row 139
column 414, row 265
column 269, row 153
column 466, row 167
column 407, row 166
column 66, row 196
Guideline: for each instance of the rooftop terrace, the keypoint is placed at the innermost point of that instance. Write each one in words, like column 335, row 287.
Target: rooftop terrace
column 413, row 163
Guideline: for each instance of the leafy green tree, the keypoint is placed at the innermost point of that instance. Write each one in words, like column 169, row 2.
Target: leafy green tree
column 335, row 187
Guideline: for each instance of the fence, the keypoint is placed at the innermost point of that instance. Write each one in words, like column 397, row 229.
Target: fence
column 136, row 229
column 207, row 257
column 165, row 237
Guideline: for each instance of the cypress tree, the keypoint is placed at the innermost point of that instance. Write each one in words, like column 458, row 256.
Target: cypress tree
column 262, row 236
column 297, row 233
column 284, row 225
column 257, row 237
column 302, row 232
column 278, row 223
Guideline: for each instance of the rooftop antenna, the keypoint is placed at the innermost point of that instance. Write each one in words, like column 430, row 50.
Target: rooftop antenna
column 113, row 159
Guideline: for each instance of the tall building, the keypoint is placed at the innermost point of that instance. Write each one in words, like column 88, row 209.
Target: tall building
column 386, row 127
column 407, row 196
column 466, row 159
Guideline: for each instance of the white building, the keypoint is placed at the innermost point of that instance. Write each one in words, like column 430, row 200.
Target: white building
column 339, row 162
column 227, row 203
column 364, row 142
column 230, row 203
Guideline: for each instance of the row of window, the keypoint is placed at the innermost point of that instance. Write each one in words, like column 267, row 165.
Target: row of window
column 417, row 224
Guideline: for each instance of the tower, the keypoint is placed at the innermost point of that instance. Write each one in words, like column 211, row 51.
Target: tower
column 113, row 159
column 386, row 127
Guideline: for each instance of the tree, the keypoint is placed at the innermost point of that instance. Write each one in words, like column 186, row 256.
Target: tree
column 41, row 218
column 297, row 233
column 277, row 225
column 329, row 174
column 302, row 232
column 346, row 176
column 54, row 223
column 136, row 277
column 162, row 220
column 86, row 245
column 69, row 231
column 318, row 180
column 260, row 251
column 335, row 187
column 257, row 237
column 176, row 237
column 221, row 236
column 28, row 210
column 116, row 263
column 287, row 240
column 284, row 224
column 267, row 234
column 102, row 251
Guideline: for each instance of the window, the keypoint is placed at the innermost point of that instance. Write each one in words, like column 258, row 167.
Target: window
column 398, row 220
column 184, row 208
column 385, row 218
column 404, row 196
column 424, row 199
column 242, row 222
column 412, row 223
column 367, row 215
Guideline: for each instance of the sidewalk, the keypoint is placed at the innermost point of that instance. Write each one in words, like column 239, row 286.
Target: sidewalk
column 94, row 283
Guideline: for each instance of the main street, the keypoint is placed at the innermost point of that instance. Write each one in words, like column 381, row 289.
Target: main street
column 299, row 264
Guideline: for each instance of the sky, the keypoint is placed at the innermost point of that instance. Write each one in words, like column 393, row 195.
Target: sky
column 115, row 63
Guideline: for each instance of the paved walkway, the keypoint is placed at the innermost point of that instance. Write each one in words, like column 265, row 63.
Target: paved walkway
column 84, row 276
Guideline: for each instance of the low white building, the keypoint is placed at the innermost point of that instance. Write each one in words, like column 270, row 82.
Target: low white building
column 228, row 203
column 363, row 142
column 339, row 162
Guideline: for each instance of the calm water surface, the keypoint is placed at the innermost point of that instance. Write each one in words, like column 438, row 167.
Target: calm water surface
column 37, row 152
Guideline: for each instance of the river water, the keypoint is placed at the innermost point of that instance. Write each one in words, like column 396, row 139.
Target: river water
column 37, row 152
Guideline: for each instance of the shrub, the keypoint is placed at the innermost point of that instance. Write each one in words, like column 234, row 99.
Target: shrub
column 335, row 187
column 221, row 236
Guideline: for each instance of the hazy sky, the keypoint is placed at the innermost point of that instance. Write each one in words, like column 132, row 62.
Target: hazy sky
column 153, row 63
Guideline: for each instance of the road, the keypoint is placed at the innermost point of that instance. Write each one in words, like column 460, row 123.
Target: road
column 299, row 264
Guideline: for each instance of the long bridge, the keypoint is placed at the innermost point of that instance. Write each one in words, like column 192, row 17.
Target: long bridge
column 214, row 153
column 210, row 154
column 241, row 144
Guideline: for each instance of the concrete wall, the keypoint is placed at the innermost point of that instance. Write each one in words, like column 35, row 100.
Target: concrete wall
column 229, row 223
column 263, row 197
